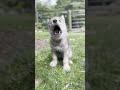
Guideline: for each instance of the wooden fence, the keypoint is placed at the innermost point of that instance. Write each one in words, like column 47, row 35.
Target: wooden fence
column 75, row 19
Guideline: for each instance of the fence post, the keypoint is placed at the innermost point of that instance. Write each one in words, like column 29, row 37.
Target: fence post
column 69, row 20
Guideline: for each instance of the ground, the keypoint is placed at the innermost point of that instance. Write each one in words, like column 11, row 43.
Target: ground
column 47, row 78
column 103, row 52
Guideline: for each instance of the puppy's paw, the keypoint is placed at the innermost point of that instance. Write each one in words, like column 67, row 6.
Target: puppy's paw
column 53, row 63
column 66, row 67
column 70, row 62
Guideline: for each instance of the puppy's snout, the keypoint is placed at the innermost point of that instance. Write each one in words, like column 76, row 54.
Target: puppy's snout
column 54, row 21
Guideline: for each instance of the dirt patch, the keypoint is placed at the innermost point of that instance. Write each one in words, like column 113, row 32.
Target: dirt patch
column 40, row 43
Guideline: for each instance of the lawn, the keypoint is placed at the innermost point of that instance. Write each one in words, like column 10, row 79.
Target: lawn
column 103, row 52
column 47, row 78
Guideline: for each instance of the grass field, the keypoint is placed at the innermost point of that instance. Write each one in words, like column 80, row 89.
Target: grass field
column 47, row 78
column 103, row 52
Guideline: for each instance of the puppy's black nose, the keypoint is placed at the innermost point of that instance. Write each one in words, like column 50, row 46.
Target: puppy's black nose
column 54, row 21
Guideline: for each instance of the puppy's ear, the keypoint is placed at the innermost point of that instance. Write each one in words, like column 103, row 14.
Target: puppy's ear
column 63, row 18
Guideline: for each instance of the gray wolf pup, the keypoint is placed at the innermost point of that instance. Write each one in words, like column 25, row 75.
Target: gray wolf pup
column 60, row 46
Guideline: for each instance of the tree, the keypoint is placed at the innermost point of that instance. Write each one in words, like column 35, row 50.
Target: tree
column 70, row 4
column 62, row 3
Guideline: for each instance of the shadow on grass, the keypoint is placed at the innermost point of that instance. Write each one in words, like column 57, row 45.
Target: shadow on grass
column 18, row 74
column 48, row 59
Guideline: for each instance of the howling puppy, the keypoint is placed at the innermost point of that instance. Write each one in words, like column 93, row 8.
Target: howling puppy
column 60, row 46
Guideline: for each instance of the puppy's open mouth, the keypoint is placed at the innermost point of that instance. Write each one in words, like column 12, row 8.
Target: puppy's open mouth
column 57, row 30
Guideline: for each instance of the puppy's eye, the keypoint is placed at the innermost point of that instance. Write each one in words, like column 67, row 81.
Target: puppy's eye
column 60, row 20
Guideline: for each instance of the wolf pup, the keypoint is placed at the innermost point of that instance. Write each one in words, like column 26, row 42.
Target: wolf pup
column 60, row 46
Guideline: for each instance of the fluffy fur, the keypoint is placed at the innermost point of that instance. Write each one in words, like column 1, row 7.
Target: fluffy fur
column 59, row 42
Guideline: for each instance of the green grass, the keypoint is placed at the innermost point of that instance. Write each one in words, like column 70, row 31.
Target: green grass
column 48, row 78
column 18, row 72
column 103, row 52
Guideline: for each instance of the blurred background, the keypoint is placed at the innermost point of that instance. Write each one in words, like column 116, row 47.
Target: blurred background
column 73, row 10
column 17, row 27
column 102, row 68
column 17, row 14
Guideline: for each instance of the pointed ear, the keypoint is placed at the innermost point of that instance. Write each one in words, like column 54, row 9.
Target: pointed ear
column 62, row 16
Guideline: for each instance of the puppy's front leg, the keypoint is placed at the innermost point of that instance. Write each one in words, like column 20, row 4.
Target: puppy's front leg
column 53, row 63
column 66, row 66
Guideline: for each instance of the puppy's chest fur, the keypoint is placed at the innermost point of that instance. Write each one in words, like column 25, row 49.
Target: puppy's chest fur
column 58, row 48
column 57, row 45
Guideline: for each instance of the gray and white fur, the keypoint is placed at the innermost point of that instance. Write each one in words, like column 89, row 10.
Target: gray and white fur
column 60, row 46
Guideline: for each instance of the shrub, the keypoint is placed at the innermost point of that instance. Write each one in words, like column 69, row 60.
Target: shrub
column 39, row 26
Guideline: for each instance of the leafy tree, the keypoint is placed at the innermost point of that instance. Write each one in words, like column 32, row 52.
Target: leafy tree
column 44, row 13
column 70, row 4
column 61, row 4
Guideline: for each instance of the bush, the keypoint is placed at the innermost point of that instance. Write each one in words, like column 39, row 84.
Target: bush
column 39, row 26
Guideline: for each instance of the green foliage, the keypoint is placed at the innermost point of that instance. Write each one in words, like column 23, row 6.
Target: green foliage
column 43, row 14
column 18, row 74
column 42, row 9
column 39, row 26
column 62, row 3
column 70, row 4
column 46, row 12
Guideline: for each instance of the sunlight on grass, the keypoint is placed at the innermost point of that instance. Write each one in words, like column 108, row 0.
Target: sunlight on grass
column 48, row 78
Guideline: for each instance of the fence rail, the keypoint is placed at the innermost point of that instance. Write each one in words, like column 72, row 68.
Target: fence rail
column 75, row 18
